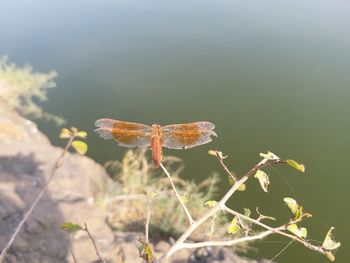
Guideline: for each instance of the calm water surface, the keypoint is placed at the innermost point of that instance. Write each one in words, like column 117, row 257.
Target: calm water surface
column 272, row 75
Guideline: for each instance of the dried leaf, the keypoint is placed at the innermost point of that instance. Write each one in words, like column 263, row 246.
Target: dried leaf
column 270, row 156
column 329, row 243
column 263, row 179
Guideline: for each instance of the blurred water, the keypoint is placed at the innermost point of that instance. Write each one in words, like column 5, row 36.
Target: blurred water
column 272, row 75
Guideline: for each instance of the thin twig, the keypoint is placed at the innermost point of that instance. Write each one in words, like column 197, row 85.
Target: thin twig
column 57, row 165
column 226, row 243
column 178, row 196
column 73, row 256
column 94, row 243
column 220, row 205
column 319, row 249
column 221, row 160
column 148, row 219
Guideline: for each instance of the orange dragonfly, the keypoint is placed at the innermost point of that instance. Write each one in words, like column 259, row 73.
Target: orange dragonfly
column 175, row 136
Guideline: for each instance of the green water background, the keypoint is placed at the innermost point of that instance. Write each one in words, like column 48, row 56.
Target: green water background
column 272, row 75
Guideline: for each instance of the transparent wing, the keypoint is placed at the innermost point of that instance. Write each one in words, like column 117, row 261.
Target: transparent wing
column 127, row 134
column 183, row 136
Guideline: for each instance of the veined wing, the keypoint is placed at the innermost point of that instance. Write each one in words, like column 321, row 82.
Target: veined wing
column 128, row 134
column 188, row 135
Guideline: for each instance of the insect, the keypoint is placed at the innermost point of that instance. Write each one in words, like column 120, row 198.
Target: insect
column 175, row 136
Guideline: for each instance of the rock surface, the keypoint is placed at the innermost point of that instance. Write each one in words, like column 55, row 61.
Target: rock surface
column 26, row 158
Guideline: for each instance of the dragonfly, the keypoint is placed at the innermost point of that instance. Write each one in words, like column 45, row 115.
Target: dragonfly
column 174, row 136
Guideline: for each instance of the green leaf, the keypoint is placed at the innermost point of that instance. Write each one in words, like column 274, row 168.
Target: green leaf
column 231, row 181
column 81, row 134
column 70, row 227
column 299, row 232
column 294, row 208
column 146, row 252
column 242, row 188
column 185, row 198
column 65, row 134
column 263, row 179
column 234, row 228
column 270, row 156
column 210, row 203
column 80, row 147
column 296, row 165
column 329, row 243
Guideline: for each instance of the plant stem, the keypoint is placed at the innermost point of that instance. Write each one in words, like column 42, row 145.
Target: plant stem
column 178, row 196
column 220, row 205
column 94, row 243
column 148, row 219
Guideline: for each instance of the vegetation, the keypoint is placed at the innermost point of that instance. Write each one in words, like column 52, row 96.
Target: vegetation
column 21, row 89
column 195, row 217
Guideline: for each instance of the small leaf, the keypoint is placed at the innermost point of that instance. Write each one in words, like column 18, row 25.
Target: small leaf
column 185, row 198
column 70, row 227
column 217, row 154
column 296, row 165
column 80, row 147
column 270, row 156
column 65, row 133
column 231, row 180
column 246, row 224
column 329, row 255
column 263, row 179
column 154, row 194
column 299, row 232
column 146, row 252
column 210, row 203
column 329, row 243
column 234, row 228
column 81, row 134
column 242, row 187
column 294, row 208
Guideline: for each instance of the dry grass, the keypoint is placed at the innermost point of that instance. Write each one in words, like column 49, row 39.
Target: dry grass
column 136, row 179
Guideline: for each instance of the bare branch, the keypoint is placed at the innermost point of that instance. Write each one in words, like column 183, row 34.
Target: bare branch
column 94, row 243
column 178, row 196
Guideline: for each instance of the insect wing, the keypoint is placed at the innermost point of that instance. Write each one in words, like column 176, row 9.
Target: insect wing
column 128, row 134
column 183, row 136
